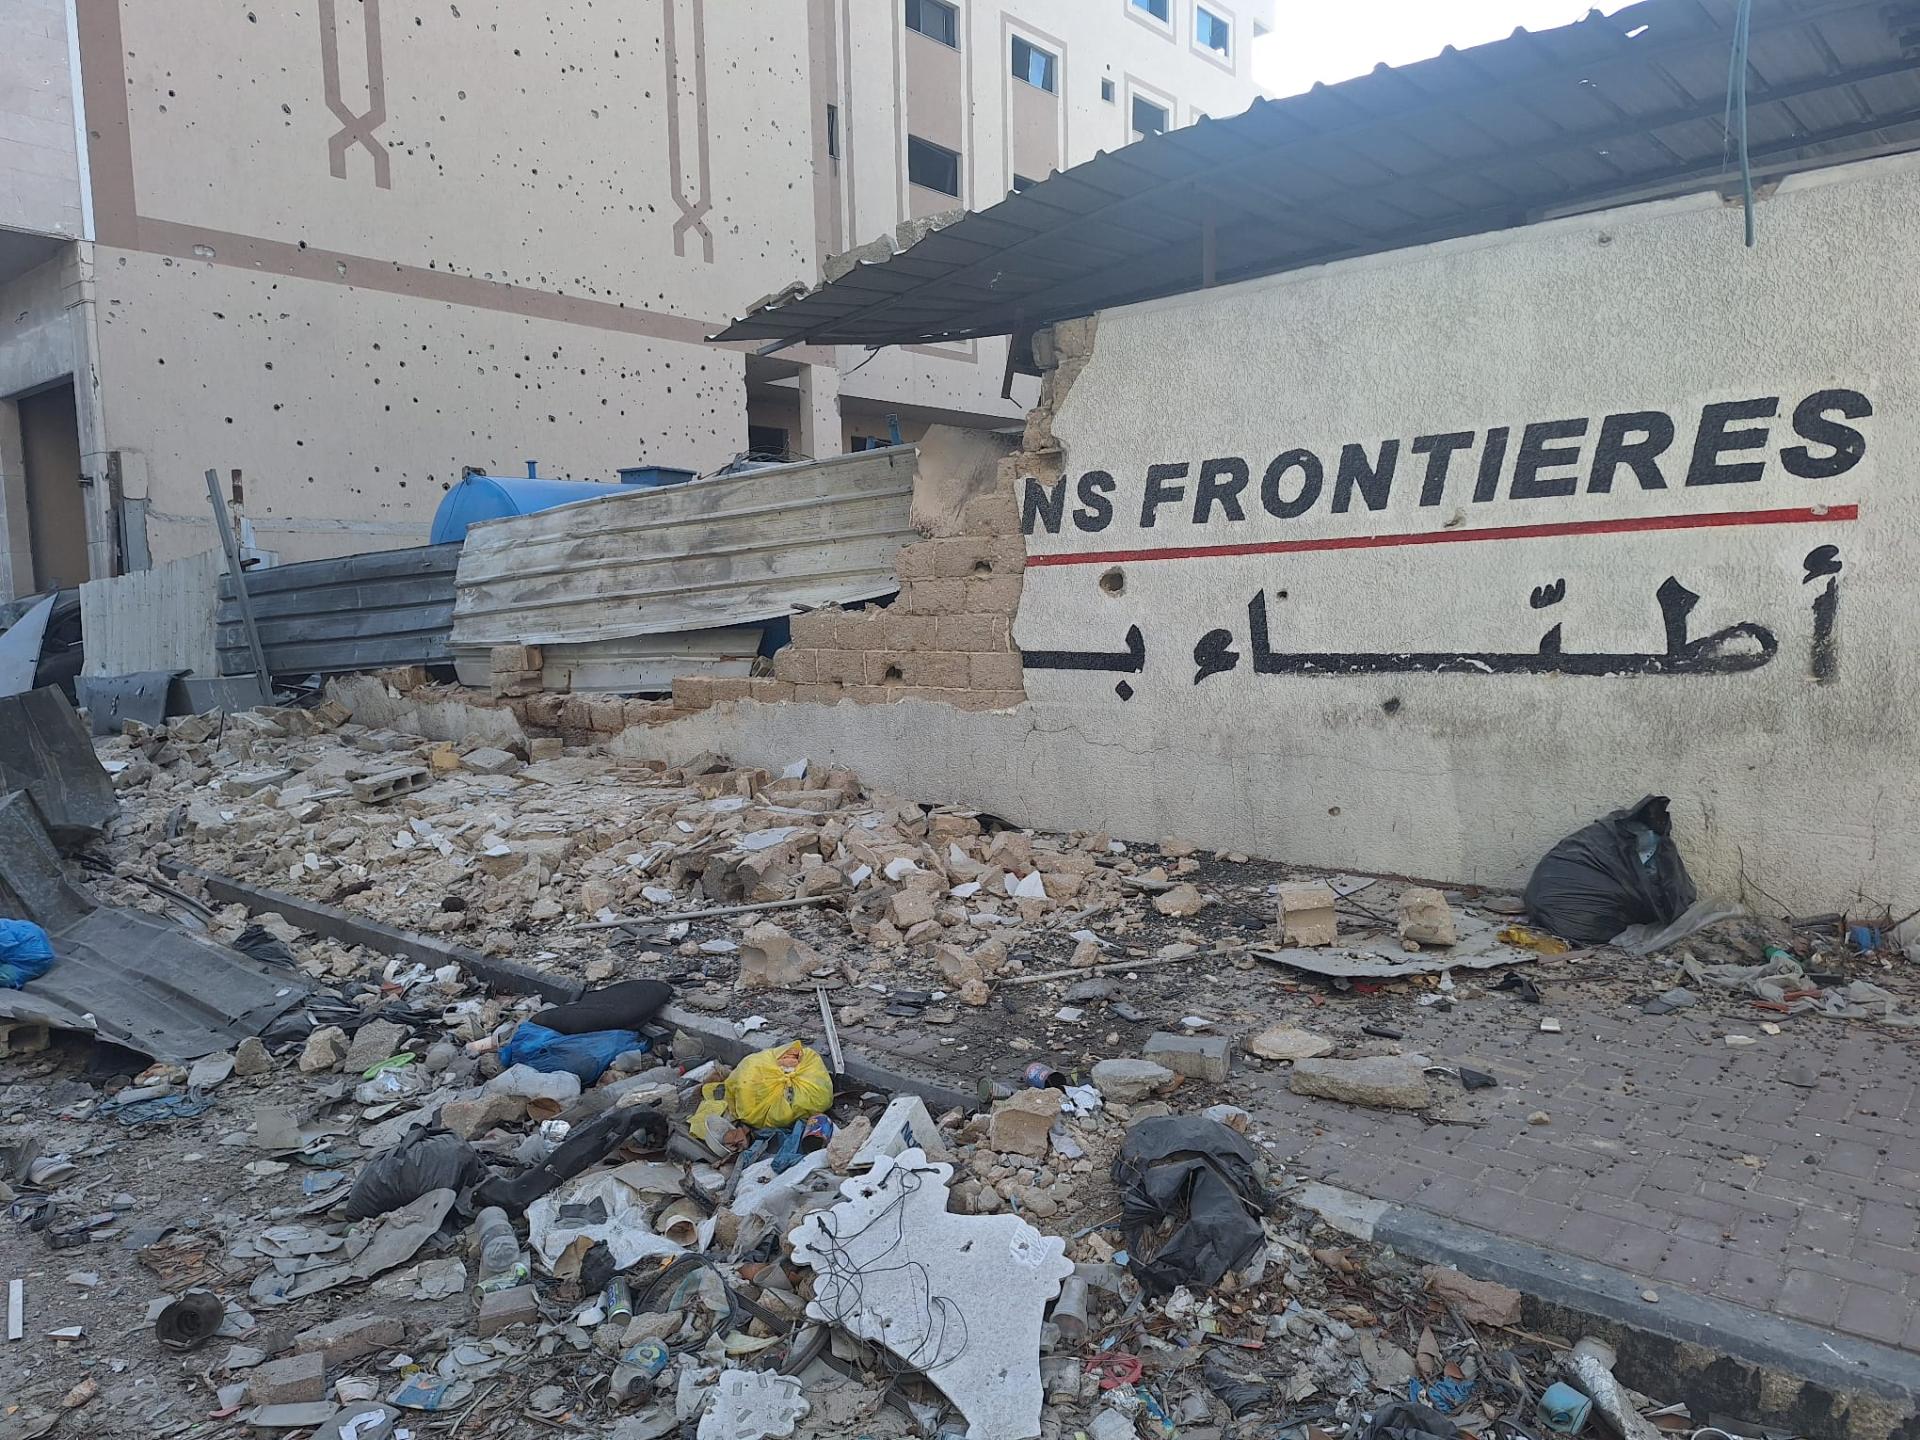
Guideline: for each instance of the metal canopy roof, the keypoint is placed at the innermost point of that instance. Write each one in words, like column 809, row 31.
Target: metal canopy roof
column 1611, row 108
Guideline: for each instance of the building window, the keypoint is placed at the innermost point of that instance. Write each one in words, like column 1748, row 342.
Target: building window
column 936, row 20
column 1211, row 31
column 870, row 442
column 1148, row 118
column 1159, row 9
column 1021, row 182
column 933, row 166
column 767, row 442
column 833, row 132
column 1033, row 65
column 1106, row 91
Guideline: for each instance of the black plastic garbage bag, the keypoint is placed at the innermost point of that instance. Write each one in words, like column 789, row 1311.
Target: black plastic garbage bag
column 1619, row 871
column 1197, row 1175
column 1404, row 1420
column 259, row 943
column 585, row 1147
column 424, row 1160
column 624, row 1005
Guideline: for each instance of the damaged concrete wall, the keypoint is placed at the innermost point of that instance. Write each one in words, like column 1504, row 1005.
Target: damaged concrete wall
column 1395, row 565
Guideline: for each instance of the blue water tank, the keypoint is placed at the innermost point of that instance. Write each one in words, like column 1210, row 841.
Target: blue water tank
column 654, row 477
column 495, row 497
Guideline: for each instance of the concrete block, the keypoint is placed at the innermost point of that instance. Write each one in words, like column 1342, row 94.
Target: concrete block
column 935, row 669
column 390, row 784
column 795, row 666
column 838, row 667
column 995, row 515
column 915, row 562
column 730, row 687
column 815, row 629
column 1306, row 915
column 22, row 1037
column 990, row 634
column 693, row 691
column 770, row 691
column 503, row 1309
column 997, row 594
column 515, row 659
column 936, row 597
column 961, row 557
column 1198, row 1057
column 475, row 1116
column 295, row 1380
column 606, row 714
column 344, row 1341
column 488, row 760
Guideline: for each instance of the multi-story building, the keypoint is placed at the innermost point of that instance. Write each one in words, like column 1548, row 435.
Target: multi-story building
column 338, row 252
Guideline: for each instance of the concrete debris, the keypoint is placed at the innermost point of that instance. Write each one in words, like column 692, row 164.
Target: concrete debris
column 1425, row 918
column 1286, row 1042
column 650, row 1262
column 1306, row 915
column 1129, row 1081
column 1397, row 1082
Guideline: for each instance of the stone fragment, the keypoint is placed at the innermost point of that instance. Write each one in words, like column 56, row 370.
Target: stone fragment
column 846, row 1143
column 1396, row 1082
column 325, row 1049
column 490, row 761
column 905, row 1124
column 956, row 966
column 1085, row 954
column 389, row 784
column 1129, row 1081
column 250, row 1057
column 1181, row 901
column 771, row 959
column 1425, row 918
column 910, row 908
column 1020, row 1123
column 894, row 1266
column 373, row 1042
column 475, row 1116
column 1198, row 1057
column 546, row 747
column 296, row 1380
column 1285, row 1042
column 248, row 782
column 501, row 1309
column 1306, row 915
column 344, row 1341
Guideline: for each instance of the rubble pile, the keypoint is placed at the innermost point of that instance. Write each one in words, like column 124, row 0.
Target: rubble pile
column 411, row 1205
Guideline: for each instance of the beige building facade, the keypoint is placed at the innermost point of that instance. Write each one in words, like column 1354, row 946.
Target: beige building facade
column 337, row 252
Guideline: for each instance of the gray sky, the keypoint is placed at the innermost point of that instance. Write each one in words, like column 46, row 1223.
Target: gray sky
column 1338, row 39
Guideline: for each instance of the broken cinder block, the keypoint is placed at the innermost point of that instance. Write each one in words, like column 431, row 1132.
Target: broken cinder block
column 503, row 1309
column 1425, row 917
column 1306, row 915
column 389, row 784
column 295, row 1380
column 1198, row 1057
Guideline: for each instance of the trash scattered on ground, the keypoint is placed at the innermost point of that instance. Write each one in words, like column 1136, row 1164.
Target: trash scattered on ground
column 403, row 1201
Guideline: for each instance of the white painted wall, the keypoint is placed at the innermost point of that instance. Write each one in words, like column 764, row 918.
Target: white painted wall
column 1809, row 789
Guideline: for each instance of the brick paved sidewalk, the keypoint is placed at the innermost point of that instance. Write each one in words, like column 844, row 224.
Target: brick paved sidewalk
column 1669, row 1154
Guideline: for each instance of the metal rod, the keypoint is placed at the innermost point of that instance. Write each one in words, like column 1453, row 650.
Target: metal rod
column 832, row 1030
column 714, row 914
column 1075, row 971
column 240, row 595
column 16, row 1309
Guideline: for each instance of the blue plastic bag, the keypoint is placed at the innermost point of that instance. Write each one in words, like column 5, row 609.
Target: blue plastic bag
column 26, row 953
column 587, row 1056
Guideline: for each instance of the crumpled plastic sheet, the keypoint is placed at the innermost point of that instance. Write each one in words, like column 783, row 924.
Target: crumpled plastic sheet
column 627, row 1231
column 1774, row 979
column 182, row 1106
column 1645, row 939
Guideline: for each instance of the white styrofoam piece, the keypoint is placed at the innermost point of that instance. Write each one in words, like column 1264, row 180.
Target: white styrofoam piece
column 753, row 1405
column 958, row 1297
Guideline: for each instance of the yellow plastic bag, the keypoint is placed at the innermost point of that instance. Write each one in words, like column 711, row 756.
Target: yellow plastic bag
column 713, row 1106
column 771, row 1089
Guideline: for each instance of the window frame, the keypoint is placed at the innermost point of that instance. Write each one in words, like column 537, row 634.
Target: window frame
column 1109, row 92
column 911, row 8
column 1143, row 11
column 1021, row 182
column 833, row 131
column 954, row 155
column 1134, row 102
column 1052, row 69
column 1205, row 50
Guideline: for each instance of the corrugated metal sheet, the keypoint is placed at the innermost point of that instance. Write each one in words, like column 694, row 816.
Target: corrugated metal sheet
column 733, row 550
column 634, row 665
column 1626, row 106
column 158, row 619
column 333, row 617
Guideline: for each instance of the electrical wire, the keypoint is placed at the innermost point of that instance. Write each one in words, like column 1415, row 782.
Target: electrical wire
column 839, row 1290
column 1736, row 115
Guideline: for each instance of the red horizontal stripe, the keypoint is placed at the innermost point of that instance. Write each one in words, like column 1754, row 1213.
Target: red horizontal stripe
column 1628, row 525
